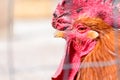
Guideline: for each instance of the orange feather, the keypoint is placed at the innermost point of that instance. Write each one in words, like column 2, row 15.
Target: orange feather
column 100, row 63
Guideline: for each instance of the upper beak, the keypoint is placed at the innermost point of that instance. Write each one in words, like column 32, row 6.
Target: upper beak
column 59, row 34
column 92, row 34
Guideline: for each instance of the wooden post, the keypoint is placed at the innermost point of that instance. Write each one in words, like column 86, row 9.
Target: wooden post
column 3, row 19
column 6, row 20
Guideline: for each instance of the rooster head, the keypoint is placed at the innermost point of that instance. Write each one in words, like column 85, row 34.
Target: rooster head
column 85, row 25
column 85, row 20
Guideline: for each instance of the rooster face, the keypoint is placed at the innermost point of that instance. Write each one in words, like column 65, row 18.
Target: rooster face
column 83, row 29
column 84, row 32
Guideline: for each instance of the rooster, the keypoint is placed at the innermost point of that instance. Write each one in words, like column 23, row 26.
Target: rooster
column 91, row 29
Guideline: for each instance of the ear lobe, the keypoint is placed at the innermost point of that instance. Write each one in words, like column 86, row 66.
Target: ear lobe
column 92, row 34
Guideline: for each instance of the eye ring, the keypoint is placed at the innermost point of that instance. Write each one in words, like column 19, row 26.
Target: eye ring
column 82, row 29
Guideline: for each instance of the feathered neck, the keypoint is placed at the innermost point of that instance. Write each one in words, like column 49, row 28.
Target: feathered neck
column 100, row 63
column 105, row 47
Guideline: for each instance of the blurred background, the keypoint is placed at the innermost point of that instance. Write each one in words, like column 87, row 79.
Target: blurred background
column 28, row 49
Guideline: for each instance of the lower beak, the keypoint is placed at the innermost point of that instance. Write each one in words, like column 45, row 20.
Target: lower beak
column 92, row 34
column 59, row 34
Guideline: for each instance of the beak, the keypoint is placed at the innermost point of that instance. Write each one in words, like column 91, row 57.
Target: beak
column 92, row 34
column 59, row 34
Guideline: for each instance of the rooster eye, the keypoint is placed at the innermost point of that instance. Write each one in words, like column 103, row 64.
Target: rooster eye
column 82, row 29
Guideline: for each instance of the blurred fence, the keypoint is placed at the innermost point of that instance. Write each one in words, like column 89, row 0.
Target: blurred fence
column 25, row 40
